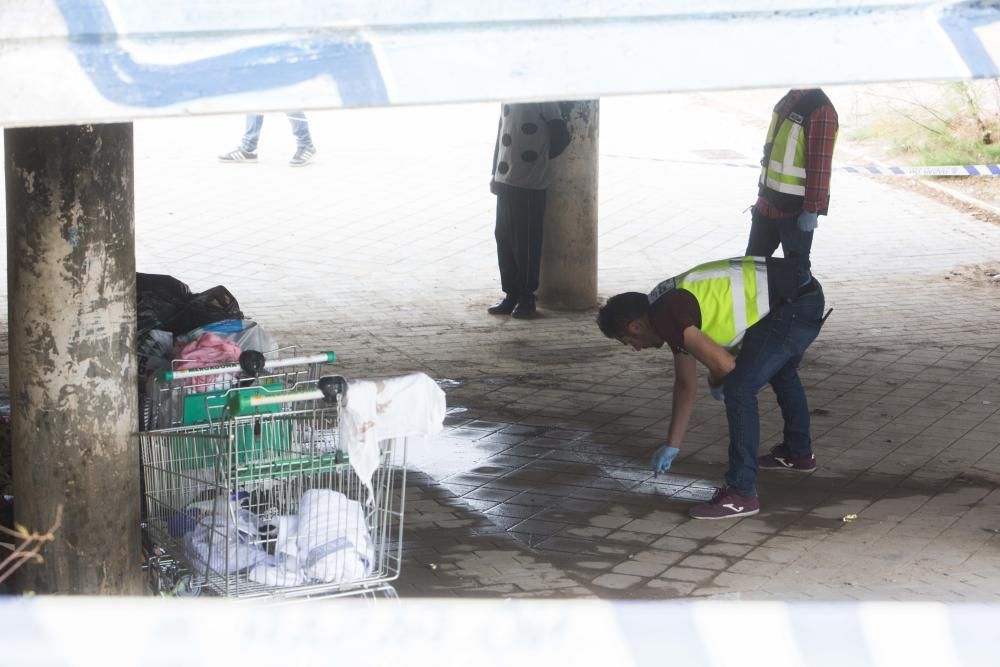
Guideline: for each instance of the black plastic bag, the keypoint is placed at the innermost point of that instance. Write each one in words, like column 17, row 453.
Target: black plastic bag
column 209, row 306
column 163, row 302
column 158, row 299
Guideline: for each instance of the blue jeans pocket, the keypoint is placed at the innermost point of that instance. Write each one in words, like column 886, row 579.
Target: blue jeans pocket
column 801, row 335
column 806, row 320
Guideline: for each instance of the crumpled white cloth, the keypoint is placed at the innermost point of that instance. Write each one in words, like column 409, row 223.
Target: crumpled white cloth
column 327, row 542
column 285, row 531
column 375, row 410
column 333, row 542
column 281, row 569
column 228, row 543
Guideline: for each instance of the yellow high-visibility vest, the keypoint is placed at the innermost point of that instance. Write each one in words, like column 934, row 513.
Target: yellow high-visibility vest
column 731, row 293
column 783, row 169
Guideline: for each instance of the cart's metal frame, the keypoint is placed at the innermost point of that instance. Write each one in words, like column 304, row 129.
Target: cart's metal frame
column 260, row 451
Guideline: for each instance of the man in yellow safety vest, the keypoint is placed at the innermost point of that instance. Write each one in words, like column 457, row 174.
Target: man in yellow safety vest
column 794, row 184
column 749, row 321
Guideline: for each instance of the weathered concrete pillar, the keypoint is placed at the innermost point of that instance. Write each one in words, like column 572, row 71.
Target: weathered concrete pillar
column 569, row 244
column 71, row 280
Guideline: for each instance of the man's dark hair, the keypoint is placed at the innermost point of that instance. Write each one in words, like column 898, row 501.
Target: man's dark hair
column 614, row 316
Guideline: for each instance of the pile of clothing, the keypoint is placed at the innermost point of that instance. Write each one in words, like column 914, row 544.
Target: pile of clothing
column 326, row 541
column 183, row 330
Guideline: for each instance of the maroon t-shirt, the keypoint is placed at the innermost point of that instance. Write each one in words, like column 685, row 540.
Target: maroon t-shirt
column 671, row 314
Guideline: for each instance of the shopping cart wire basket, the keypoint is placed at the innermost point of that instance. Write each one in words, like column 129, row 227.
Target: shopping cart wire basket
column 260, row 500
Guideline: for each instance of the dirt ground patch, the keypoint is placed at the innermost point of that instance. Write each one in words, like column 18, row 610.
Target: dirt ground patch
column 985, row 189
column 980, row 275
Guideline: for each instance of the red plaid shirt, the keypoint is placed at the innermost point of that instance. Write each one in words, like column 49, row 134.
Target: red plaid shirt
column 820, row 137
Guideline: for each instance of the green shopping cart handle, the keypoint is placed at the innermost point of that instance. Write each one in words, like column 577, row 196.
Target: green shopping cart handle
column 167, row 375
column 242, row 403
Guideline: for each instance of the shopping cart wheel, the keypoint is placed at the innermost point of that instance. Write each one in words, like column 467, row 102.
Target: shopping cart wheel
column 156, row 578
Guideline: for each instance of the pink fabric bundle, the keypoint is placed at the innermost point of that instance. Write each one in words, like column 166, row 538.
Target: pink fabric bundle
column 208, row 350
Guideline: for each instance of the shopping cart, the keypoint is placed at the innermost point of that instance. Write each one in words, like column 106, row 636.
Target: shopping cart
column 175, row 397
column 261, row 500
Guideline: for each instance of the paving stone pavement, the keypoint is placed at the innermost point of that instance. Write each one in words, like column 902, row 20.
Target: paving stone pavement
column 383, row 251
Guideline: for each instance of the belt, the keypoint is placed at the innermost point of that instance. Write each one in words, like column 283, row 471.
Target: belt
column 810, row 287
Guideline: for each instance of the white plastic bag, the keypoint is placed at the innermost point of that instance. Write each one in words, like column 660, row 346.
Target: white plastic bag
column 246, row 333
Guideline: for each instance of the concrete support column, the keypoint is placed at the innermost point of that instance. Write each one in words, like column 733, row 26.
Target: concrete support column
column 569, row 243
column 71, row 286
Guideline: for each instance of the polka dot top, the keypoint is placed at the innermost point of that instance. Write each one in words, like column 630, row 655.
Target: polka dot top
column 523, row 151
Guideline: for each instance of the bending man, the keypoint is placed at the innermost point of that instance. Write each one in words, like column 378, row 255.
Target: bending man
column 705, row 314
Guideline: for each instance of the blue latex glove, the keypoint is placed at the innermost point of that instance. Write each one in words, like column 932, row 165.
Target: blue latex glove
column 808, row 221
column 717, row 393
column 663, row 458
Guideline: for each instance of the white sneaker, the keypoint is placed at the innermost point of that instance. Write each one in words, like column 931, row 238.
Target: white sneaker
column 238, row 155
column 302, row 156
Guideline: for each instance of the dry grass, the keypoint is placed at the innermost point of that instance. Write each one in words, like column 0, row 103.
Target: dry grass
column 958, row 125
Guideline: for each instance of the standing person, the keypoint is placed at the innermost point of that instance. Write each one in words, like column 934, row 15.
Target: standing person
column 247, row 152
column 703, row 314
column 794, row 184
column 528, row 138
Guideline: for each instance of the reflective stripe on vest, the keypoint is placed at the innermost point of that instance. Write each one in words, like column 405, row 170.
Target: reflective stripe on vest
column 732, row 295
column 787, row 175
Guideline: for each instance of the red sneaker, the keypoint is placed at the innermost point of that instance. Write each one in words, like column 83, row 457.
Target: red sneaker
column 726, row 504
column 781, row 459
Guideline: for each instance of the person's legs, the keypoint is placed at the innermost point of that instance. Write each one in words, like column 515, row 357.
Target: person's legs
column 531, row 260
column 300, row 128
column 795, row 451
column 305, row 151
column 528, row 249
column 252, row 133
column 767, row 233
column 796, row 245
column 764, row 352
column 770, row 347
column 764, row 238
column 518, row 234
column 794, row 409
column 505, row 235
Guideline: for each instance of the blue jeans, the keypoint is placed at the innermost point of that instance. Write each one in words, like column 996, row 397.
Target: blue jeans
column 300, row 128
column 771, row 352
column 766, row 233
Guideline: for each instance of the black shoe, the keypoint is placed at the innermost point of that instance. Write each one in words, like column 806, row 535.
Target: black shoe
column 525, row 307
column 504, row 306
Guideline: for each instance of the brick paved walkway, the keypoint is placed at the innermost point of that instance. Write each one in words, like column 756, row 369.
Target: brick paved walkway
column 383, row 251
